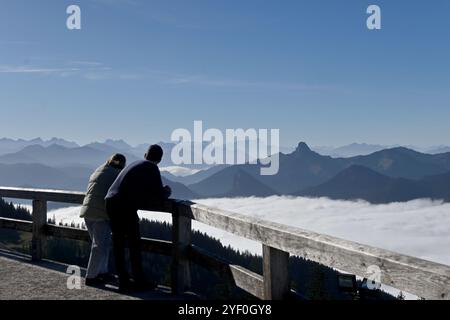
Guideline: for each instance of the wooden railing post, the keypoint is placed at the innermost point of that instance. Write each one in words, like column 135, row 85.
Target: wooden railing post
column 39, row 222
column 276, row 273
column 181, row 239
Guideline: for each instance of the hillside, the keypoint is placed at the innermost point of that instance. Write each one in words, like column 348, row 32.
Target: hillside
column 404, row 163
column 40, row 176
column 179, row 190
column 358, row 182
column 231, row 182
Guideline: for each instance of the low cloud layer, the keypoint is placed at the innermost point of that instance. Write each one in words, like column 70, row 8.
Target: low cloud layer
column 419, row 228
column 179, row 171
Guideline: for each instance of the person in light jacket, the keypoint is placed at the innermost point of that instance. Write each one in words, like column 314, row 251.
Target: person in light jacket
column 97, row 222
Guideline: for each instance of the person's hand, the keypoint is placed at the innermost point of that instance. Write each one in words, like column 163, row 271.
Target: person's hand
column 168, row 190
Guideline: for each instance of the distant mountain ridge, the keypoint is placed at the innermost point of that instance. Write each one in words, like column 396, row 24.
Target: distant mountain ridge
column 238, row 184
column 300, row 171
column 403, row 162
column 8, row 145
column 363, row 149
column 55, row 166
column 351, row 150
column 305, row 168
column 65, row 178
column 13, row 151
column 358, row 182
column 57, row 155
column 44, row 177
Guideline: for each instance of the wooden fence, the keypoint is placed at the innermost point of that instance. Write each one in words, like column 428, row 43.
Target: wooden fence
column 423, row 278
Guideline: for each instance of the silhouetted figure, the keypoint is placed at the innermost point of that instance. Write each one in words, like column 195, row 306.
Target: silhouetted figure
column 138, row 186
column 97, row 222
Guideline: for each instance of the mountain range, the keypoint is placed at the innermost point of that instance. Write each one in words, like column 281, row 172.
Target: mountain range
column 358, row 182
column 392, row 174
column 363, row 149
column 66, row 178
column 304, row 169
column 57, row 156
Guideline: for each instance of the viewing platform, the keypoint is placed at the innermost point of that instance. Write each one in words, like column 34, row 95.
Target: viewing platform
column 420, row 277
column 22, row 279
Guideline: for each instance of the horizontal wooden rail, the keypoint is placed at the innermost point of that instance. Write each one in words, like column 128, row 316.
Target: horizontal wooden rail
column 150, row 245
column 417, row 276
column 67, row 233
column 19, row 225
column 44, row 195
column 241, row 277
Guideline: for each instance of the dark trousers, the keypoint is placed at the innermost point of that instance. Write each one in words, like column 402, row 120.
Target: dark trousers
column 125, row 228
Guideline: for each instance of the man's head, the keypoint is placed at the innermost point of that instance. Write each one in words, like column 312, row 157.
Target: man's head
column 154, row 154
column 117, row 161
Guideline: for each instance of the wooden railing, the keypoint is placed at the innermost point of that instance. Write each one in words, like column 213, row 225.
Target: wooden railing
column 423, row 278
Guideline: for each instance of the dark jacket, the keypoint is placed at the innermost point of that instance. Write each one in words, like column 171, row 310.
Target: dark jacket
column 99, row 183
column 138, row 186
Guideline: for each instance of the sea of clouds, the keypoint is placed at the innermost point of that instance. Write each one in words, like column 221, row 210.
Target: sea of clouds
column 419, row 228
column 180, row 171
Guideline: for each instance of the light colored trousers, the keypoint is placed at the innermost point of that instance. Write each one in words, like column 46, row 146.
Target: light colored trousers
column 100, row 232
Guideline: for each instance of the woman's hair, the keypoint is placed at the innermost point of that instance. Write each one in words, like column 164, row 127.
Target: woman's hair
column 117, row 161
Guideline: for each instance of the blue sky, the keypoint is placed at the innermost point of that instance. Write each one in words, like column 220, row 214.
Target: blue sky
column 140, row 69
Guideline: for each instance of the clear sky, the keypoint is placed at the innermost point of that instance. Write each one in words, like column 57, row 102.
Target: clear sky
column 137, row 70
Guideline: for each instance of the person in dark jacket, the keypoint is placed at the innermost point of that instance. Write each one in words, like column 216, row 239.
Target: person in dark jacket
column 137, row 187
column 97, row 222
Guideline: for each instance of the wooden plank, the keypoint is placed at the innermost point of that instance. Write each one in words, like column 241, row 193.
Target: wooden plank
column 39, row 221
column 248, row 280
column 180, row 269
column 43, row 194
column 148, row 245
column 67, row 233
column 276, row 274
column 417, row 276
column 157, row 246
column 19, row 225
column 241, row 277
